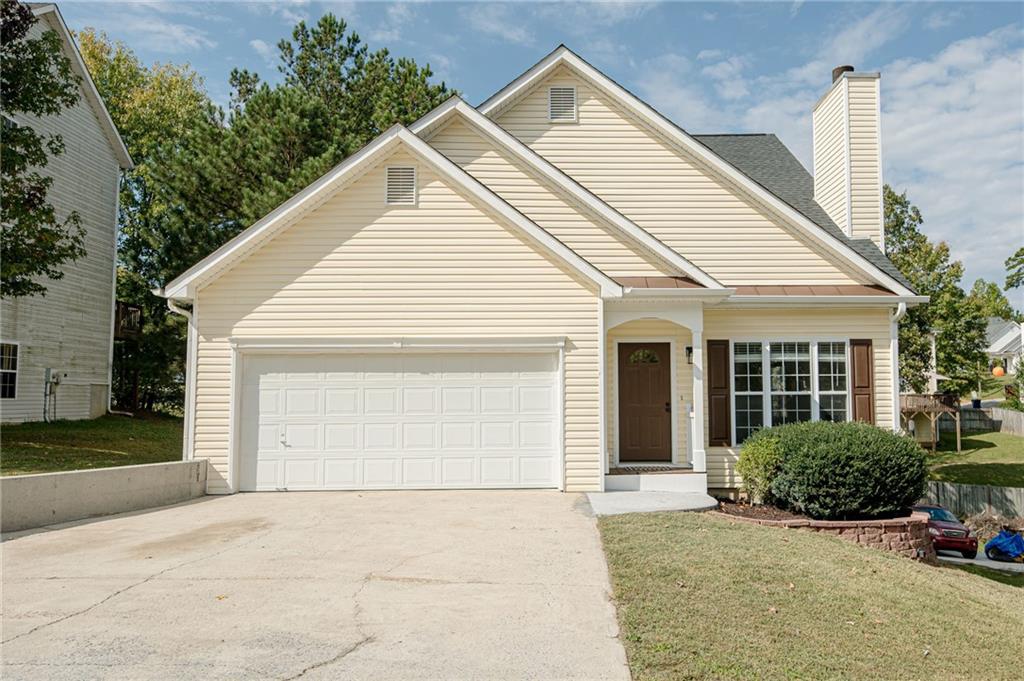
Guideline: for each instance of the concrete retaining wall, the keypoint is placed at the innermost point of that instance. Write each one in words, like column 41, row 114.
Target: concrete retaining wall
column 28, row 501
column 904, row 536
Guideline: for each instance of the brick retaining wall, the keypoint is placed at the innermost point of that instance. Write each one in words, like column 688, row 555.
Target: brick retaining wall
column 907, row 537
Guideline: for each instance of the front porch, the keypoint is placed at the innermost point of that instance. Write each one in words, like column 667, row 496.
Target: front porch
column 653, row 396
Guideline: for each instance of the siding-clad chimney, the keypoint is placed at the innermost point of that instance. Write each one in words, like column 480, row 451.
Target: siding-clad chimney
column 848, row 153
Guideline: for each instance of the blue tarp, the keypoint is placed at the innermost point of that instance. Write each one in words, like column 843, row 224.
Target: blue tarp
column 1006, row 546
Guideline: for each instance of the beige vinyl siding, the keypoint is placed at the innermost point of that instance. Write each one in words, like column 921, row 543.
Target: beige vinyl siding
column 865, row 170
column 830, row 154
column 658, row 187
column 657, row 330
column 587, row 234
column 810, row 324
column 68, row 329
column 354, row 267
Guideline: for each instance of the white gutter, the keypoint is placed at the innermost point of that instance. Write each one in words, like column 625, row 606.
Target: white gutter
column 830, row 301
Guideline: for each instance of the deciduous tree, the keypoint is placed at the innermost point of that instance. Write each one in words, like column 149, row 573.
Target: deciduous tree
column 36, row 80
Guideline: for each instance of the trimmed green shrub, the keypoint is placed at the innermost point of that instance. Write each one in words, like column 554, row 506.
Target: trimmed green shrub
column 835, row 471
column 760, row 459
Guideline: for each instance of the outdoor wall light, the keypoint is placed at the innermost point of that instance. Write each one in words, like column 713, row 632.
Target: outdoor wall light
column 689, row 354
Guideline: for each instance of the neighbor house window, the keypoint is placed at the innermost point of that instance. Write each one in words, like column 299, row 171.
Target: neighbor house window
column 788, row 382
column 8, row 370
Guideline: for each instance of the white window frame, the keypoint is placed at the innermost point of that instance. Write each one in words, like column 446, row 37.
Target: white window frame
column 415, row 187
column 766, row 404
column 17, row 368
column 575, row 104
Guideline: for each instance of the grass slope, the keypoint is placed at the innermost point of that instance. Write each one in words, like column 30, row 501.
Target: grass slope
column 705, row 598
column 986, row 459
column 97, row 443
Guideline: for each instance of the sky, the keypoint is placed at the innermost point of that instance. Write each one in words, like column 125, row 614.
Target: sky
column 952, row 75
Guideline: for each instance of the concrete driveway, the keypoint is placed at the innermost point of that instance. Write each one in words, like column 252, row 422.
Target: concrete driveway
column 380, row 585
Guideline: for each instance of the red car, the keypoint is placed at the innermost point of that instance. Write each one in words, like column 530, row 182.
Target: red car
column 948, row 533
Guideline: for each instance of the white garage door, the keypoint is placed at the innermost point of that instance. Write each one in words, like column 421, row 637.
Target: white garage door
column 387, row 421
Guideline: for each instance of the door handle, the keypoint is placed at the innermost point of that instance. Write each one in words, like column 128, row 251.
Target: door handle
column 668, row 407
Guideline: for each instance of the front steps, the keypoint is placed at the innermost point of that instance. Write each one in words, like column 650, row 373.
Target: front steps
column 655, row 478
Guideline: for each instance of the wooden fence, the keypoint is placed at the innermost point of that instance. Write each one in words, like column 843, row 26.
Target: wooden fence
column 1009, row 420
column 965, row 500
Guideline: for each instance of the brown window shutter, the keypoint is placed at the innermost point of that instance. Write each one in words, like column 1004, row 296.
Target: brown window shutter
column 719, row 409
column 862, row 379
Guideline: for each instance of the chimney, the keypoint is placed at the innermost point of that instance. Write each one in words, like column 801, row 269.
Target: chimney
column 848, row 153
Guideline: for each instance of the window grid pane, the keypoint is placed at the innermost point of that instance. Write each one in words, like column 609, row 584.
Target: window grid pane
column 748, row 385
column 8, row 370
column 832, row 381
column 790, row 382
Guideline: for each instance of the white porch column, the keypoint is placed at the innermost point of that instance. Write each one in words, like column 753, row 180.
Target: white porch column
column 697, row 447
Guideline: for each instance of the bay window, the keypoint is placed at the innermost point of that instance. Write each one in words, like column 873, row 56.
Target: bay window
column 806, row 381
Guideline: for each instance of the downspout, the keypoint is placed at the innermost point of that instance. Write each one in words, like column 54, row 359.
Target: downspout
column 190, row 361
column 894, row 352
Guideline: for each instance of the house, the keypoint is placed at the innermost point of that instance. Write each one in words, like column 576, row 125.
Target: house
column 1003, row 343
column 56, row 350
column 559, row 288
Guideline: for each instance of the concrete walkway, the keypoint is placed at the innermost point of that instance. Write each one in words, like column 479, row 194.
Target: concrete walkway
column 615, row 503
column 385, row 585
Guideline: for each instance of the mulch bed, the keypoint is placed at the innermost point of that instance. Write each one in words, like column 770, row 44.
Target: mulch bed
column 759, row 512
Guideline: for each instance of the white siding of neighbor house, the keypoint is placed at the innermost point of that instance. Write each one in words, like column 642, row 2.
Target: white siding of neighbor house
column 69, row 329
column 588, row 235
column 354, row 267
column 865, row 158
column 656, row 184
column 831, row 161
column 656, row 330
column 795, row 324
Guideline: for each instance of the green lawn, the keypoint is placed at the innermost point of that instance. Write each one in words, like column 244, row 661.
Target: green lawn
column 701, row 597
column 986, row 459
column 97, row 443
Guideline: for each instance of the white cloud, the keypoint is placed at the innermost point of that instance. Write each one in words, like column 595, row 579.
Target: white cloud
column 668, row 84
column 497, row 20
column 398, row 17
column 160, row 35
column 953, row 137
column 441, row 66
column 292, row 11
column 586, row 18
column 942, row 19
column 705, row 55
column 708, row 16
column 728, row 77
column 266, row 51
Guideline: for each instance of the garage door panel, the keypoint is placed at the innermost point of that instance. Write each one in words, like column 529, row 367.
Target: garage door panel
column 389, row 421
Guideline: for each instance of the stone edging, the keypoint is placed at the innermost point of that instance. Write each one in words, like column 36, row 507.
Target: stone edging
column 905, row 536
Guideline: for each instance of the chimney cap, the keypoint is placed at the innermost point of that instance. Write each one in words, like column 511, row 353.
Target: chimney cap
column 838, row 71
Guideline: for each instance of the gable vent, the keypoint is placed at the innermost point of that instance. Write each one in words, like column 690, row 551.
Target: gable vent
column 562, row 104
column 401, row 189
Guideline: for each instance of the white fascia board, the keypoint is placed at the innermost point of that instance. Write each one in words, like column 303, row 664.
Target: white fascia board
column 51, row 14
column 395, row 344
column 824, row 301
column 643, row 111
column 525, row 154
column 679, row 293
column 183, row 287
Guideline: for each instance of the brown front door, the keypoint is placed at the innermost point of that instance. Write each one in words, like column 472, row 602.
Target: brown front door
column 645, row 402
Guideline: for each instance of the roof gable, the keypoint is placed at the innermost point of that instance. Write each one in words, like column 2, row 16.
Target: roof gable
column 787, row 214
column 584, row 198
column 285, row 215
column 53, row 19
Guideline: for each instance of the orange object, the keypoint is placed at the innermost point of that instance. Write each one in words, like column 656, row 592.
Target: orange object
column 998, row 372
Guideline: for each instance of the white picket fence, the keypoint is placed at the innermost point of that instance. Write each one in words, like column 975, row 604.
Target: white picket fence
column 965, row 500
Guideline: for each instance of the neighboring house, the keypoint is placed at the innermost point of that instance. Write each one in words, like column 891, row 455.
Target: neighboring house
column 56, row 349
column 559, row 288
column 1003, row 339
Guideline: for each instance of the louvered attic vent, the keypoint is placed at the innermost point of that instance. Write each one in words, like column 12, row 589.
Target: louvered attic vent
column 401, row 189
column 562, row 104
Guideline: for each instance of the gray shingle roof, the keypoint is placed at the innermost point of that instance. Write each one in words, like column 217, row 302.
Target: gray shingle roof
column 766, row 160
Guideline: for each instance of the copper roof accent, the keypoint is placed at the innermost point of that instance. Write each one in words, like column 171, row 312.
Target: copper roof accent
column 658, row 282
column 814, row 290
